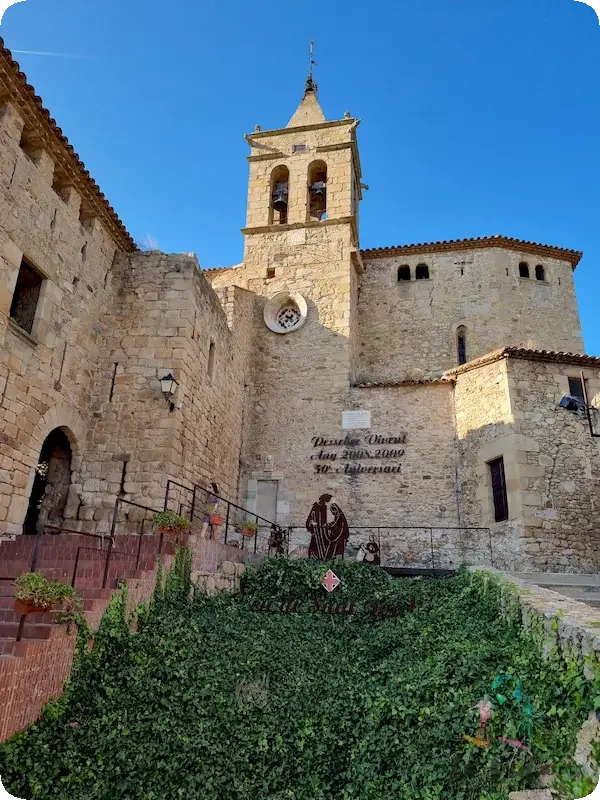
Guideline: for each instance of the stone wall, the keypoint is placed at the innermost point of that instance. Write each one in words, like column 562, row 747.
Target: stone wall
column 107, row 327
column 559, row 472
column 485, row 431
column 509, row 408
column 301, row 377
column 166, row 319
column 423, row 493
column 46, row 377
column 407, row 329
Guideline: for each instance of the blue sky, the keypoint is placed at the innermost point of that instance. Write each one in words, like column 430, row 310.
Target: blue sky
column 477, row 118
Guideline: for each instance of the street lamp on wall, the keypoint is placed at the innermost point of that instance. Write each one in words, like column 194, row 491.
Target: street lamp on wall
column 169, row 386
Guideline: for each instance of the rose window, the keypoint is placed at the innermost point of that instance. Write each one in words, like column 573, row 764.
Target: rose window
column 285, row 313
column 288, row 317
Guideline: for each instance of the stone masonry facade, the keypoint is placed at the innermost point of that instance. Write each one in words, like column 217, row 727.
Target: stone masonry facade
column 394, row 379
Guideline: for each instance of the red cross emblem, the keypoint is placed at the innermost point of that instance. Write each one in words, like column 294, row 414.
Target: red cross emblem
column 330, row 581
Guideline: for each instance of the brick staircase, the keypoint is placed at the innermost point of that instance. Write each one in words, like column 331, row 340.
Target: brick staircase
column 34, row 669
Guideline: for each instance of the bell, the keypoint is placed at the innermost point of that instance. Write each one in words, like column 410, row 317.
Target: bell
column 318, row 188
column 280, row 197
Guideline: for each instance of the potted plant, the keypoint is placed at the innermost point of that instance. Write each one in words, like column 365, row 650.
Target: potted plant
column 248, row 528
column 216, row 518
column 36, row 594
column 171, row 523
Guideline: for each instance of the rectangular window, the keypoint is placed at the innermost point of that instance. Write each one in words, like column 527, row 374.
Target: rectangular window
column 26, row 296
column 298, row 148
column 576, row 389
column 499, row 489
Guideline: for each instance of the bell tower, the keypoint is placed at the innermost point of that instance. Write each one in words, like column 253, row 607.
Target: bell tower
column 302, row 261
column 306, row 173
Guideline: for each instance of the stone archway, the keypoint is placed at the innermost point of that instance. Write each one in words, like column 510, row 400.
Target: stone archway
column 55, row 442
column 51, row 483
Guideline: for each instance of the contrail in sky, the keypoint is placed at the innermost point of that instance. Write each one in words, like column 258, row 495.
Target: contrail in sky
column 42, row 53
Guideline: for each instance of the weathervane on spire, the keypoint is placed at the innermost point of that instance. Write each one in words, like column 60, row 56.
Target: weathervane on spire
column 310, row 85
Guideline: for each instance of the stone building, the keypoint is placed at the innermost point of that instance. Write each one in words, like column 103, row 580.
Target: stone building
column 418, row 385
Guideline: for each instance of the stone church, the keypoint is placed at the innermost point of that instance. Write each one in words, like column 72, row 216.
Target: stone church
column 439, row 391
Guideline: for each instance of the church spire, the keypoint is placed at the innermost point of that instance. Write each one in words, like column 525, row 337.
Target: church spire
column 309, row 112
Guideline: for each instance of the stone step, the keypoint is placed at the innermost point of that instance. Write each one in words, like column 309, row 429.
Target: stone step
column 585, row 594
column 551, row 579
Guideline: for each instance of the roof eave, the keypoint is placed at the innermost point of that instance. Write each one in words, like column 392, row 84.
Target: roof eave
column 549, row 251
column 31, row 106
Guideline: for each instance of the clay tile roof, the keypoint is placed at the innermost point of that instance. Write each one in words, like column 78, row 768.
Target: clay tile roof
column 23, row 95
column 394, row 384
column 573, row 256
column 212, row 270
column 527, row 355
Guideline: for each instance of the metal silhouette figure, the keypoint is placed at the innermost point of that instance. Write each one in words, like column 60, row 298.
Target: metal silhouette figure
column 328, row 535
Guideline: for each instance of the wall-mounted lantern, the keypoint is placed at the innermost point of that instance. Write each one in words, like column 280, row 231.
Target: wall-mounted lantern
column 169, row 386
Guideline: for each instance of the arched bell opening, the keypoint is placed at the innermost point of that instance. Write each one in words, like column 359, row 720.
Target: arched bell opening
column 280, row 190
column 317, row 191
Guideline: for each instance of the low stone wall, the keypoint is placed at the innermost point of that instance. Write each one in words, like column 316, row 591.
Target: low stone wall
column 225, row 579
column 207, row 554
column 560, row 626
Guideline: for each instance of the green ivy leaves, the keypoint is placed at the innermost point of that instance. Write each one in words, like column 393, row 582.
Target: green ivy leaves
column 216, row 701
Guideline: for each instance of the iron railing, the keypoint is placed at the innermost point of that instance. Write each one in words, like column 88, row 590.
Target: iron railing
column 109, row 552
column 416, row 548
column 194, row 501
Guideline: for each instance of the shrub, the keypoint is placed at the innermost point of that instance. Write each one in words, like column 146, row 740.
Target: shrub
column 37, row 589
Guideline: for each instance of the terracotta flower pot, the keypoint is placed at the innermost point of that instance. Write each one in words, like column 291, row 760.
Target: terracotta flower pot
column 28, row 607
column 216, row 519
column 247, row 532
column 171, row 531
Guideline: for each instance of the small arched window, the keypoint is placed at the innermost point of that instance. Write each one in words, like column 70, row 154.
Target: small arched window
column 540, row 273
column 280, row 188
column 317, row 191
column 404, row 273
column 461, row 345
column 523, row 269
column 422, row 272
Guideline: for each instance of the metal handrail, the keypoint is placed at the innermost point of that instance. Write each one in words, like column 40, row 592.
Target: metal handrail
column 55, row 530
column 427, row 529
column 230, row 506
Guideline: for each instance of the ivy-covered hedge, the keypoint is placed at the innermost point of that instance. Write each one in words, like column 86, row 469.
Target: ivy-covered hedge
column 214, row 700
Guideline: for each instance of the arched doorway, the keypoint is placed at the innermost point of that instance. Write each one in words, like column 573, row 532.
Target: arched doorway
column 51, row 483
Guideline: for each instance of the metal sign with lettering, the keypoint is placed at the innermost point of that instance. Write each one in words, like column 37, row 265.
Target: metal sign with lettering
column 349, row 456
